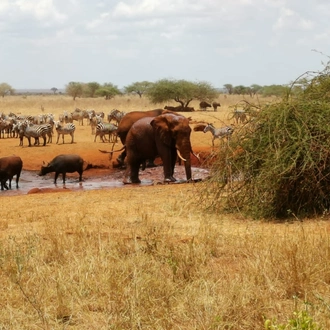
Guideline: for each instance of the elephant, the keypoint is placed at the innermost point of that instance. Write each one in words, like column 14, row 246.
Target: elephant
column 126, row 123
column 166, row 136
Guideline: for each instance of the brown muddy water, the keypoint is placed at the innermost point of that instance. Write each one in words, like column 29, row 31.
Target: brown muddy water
column 30, row 182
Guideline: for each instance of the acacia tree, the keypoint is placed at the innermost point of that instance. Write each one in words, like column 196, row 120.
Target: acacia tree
column 181, row 91
column 229, row 88
column 54, row 90
column 91, row 88
column 5, row 89
column 139, row 87
column 108, row 90
column 240, row 90
column 255, row 88
column 274, row 90
column 74, row 89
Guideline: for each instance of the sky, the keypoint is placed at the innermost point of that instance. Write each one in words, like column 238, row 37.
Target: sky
column 49, row 43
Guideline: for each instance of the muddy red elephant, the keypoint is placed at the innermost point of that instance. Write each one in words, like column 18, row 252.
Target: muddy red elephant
column 126, row 123
column 166, row 136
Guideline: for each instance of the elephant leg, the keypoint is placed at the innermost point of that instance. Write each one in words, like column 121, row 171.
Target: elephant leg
column 169, row 166
column 173, row 159
column 132, row 173
column 121, row 158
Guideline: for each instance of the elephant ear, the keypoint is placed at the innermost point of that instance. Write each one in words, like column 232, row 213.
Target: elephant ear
column 161, row 127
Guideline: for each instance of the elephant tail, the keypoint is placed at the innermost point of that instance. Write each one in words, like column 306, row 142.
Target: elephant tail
column 112, row 151
column 196, row 155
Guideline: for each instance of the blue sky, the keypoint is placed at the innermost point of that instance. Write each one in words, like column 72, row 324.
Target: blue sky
column 48, row 43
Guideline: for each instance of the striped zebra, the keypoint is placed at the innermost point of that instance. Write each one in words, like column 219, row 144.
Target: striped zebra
column 106, row 129
column 94, row 120
column 219, row 133
column 49, row 132
column 64, row 129
column 35, row 131
column 116, row 115
column 6, row 126
column 79, row 115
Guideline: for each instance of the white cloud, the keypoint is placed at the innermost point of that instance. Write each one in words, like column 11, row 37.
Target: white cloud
column 324, row 36
column 181, row 38
column 290, row 19
column 4, row 6
column 159, row 8
column 40, row 9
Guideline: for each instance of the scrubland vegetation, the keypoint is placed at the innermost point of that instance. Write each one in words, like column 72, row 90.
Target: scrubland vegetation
column 155, row 257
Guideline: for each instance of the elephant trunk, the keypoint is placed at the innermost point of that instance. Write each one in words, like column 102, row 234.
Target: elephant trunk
column 187, row 166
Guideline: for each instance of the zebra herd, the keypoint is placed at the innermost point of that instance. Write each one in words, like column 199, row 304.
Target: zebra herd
column 42, row 126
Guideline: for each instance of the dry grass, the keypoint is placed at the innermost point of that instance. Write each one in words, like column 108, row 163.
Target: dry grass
column 150, row 258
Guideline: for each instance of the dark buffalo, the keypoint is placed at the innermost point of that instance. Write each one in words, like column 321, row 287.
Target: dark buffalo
column 3, row 180
column 204, row 105
column 215, row 105
column 9, row 167
column 179, row 108
column 64, row 164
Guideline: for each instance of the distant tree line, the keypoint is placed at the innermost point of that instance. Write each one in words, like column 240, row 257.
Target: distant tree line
column 164, row 90
column 271, row 90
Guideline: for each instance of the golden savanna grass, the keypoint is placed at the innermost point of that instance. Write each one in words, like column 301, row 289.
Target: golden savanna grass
column 150, row 257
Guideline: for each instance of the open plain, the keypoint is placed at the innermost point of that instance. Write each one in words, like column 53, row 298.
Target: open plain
column 147, row 256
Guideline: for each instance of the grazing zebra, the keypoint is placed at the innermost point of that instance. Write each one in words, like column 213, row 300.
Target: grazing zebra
column 79, row 115
column 104, row 129
column 219, row 133
column 35, row 131
column 116, row 115
column 66, row 129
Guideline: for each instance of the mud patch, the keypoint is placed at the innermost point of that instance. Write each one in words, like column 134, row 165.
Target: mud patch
column 31, row 183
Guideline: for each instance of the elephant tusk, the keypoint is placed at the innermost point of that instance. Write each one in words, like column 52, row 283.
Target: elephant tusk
column 179, row 154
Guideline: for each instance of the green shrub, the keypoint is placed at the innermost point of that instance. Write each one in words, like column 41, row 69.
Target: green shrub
column 300, row 321
column 278, row 164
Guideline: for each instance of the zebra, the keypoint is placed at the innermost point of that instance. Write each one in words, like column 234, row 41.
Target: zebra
column 116, row 115
column 6, row 126
column 106, row 128
column 35, row 131
column 219, row 133
column 66, row 117
column 61, row 129
column 94, row 120
column 240, row 116
column 49, row 132
column 79, row 115
column 15, row 130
